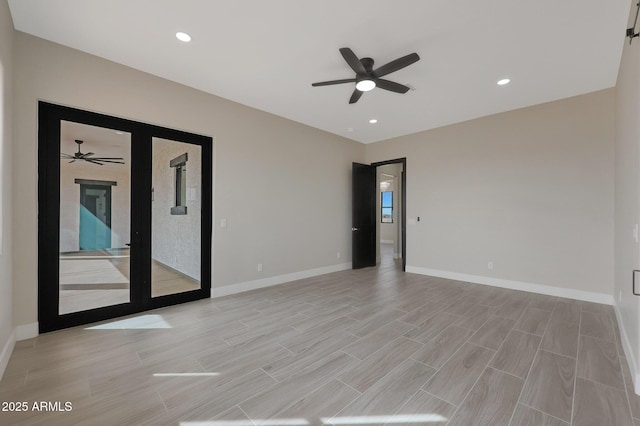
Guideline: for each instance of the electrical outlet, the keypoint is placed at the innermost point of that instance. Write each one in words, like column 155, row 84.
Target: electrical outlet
column 490, row 265
column 259, row 267
column 338, row 255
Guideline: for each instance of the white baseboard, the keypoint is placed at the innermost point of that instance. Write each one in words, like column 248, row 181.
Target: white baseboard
column 569, row 293
column 279, row 279
column 27, row 331
column 386, row 241
column 6, row 352
column 628, row 352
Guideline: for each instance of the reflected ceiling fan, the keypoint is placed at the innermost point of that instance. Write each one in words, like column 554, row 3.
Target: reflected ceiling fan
column 89, row 157
column 367, row 78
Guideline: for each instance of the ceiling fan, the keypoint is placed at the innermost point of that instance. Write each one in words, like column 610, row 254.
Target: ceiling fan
column 89, row 157
column 367, row 78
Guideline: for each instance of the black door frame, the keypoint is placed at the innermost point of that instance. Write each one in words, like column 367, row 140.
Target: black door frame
column 403, row 204
column 49, row 118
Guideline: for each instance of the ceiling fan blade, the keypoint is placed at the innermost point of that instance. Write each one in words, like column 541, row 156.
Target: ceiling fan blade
column 352, row 60
column 391, row 86
column 72, row 161
column 105, row 158
column 92, row 161
column 329, row 83
column 108, row 161
column 355, row 96
column 396, row 65
column 86, row 155
column 63, row 155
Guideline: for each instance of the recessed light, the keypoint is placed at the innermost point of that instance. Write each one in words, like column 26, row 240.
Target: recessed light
column 504, row 81
column 183, row 36
column 373, row 121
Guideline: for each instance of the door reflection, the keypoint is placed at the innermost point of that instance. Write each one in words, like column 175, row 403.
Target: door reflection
column 176, row 214
column 95, row 178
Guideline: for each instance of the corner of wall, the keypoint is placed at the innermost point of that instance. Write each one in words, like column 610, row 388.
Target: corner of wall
column 627, row 202
column 27, row 331
column 628, row 351
column 5, row 355
column 7, row 332
column 21, row 332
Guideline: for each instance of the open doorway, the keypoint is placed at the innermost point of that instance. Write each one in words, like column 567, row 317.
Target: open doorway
column 389, row 214
column 368, row 213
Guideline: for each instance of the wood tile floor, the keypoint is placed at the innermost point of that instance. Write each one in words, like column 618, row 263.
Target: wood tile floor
column 374, row 346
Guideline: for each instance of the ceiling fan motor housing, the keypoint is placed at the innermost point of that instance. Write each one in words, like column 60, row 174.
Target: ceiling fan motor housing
column 367, row 63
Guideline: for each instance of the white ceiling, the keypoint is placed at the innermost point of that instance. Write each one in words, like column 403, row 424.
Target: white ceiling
column 266, row 53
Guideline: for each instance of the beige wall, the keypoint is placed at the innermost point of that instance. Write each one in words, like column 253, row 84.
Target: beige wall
column 627, row 200
column 283, row 187
column 530, row 190
column 6, row 142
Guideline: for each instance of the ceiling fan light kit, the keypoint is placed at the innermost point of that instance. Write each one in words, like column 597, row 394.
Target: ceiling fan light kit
column 365, row 85
column 367, row 78
column 89, row 157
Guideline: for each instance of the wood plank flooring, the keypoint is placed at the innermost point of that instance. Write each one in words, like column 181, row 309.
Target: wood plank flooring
column 373, row 346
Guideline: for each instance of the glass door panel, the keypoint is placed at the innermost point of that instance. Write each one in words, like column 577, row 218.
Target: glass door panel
column 176, row 217
column 95, row 225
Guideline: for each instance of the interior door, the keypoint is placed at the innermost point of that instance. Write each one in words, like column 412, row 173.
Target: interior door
column 95, row 214
column 363, row 228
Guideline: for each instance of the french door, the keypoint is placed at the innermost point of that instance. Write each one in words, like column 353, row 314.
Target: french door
column 124, row 217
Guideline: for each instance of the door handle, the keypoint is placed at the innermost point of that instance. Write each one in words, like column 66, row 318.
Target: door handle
column 134, row 241
column 355, row 229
